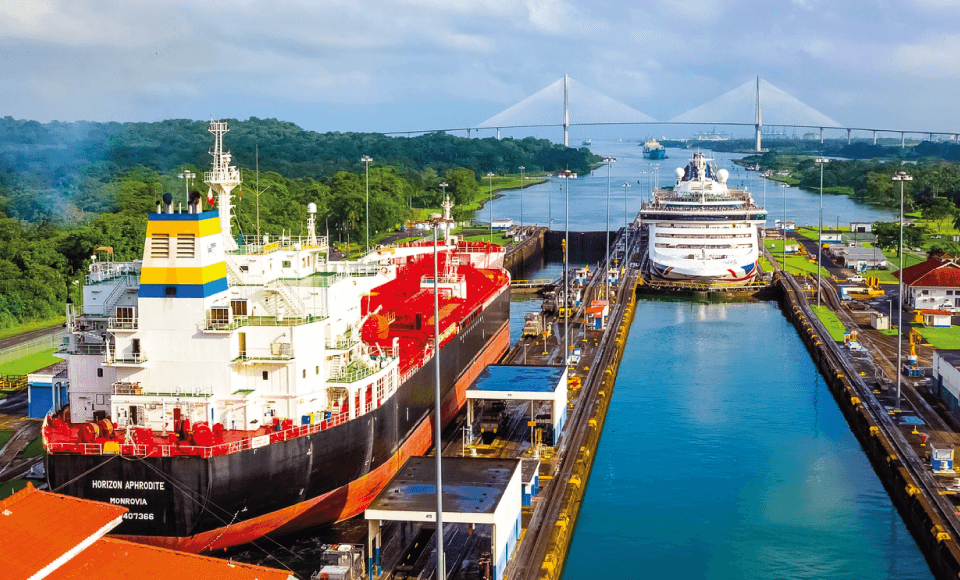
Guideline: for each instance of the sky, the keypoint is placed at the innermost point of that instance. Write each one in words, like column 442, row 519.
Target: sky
column 410, row 65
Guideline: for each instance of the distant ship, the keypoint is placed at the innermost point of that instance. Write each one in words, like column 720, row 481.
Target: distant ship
column 654, row 150
column 701, row 230
column 586, row 142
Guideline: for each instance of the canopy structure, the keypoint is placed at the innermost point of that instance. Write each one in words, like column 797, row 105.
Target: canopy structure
column 475, row 491
column 523, row 383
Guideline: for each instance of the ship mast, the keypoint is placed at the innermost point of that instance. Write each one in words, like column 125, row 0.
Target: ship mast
column 222, row 178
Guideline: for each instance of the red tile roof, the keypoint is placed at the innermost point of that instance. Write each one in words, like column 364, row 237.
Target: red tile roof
column 115, row 559
column 41, row 530
column 932, row 273
column 58, row 537
column 935, row 312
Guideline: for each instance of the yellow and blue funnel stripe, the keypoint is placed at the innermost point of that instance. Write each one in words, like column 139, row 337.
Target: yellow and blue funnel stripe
column 193, row 279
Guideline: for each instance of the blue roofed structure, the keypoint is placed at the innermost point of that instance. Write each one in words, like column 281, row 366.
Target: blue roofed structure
column 523, row 383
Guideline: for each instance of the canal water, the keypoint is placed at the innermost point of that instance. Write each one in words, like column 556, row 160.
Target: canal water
column 541, row 203
column 724, row 456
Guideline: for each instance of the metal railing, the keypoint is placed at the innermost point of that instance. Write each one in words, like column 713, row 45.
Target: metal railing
column 352, row 373
column 276, row 352
column 114, row 323
column 211, row 323
column 255, row 246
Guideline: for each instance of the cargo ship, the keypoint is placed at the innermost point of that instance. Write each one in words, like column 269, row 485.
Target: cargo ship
column 701, row 230
column 654, row 150
column 228, row 386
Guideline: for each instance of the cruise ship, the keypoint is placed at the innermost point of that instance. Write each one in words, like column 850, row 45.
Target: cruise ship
column 228, row 386
column 701, row 230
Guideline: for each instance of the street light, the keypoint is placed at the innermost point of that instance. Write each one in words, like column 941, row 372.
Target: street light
column 626, row 229
column 437, row 442
column 366, row 160
column 901, row 177
column 443, row 186
column 186, row 176
column 783, row 225
column 490, row 180
column 606, row 284
column 521, row 197
column 821, row 161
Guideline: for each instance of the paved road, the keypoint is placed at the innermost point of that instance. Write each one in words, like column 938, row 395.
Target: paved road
column 28, row 336
column 15, row 405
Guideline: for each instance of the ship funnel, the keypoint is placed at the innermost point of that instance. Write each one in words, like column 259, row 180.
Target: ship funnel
column 168, row 202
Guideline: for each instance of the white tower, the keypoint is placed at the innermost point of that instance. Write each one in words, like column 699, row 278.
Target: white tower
column 222, row 178
column 312, row 224
column 566, row 115
column 447, row 205
column 759, row 117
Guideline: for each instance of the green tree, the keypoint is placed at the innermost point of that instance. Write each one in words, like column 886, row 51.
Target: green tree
column 888, row 235
column 462, row 185
column 939, row 210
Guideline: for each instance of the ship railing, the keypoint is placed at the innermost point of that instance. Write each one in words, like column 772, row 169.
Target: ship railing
column 121, row 388
column 104, row 271
column 251, row 245
column 352, row 373
column 235, row 322
column 278, row 351
column 83, row 348
column 226, row 448
column 114, row 323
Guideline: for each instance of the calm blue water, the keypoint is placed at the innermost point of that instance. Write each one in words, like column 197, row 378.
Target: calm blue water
column 588, row 194
column 724, row 456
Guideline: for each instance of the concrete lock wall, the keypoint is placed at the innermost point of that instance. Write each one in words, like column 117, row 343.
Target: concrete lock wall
column 941, row 550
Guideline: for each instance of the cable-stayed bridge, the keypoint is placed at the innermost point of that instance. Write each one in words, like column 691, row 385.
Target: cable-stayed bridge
column 752, row 104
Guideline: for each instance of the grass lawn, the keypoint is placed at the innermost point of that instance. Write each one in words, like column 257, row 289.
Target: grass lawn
column 830, row 322
column 30, row 326
column 34, row 448
column 9, row 488
column 498, row 238
column 31, row 363
column 940, row 338
column 5, row 436
column 796, row 264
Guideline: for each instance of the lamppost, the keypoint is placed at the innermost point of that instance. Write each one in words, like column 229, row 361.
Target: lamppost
column 606, row 275
column 186, row 176
column 366, row 160
column 567, row 176
column 521, row 197
column 901, row 177
column 821, row 161
column 490, row 180
column 441, row 571
column 626, row 229
column 783, row 224
column 443, row 186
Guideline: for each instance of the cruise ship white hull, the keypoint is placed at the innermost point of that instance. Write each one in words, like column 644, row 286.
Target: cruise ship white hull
column 700, row 230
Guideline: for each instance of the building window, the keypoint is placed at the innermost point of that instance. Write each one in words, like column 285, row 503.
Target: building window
column 100, row 400
column 949, row 292
column 286, row 263
column 924, row 292
column 265, row 375
column 239, row 306
column 318, row 369
column 304, row 373
column 99, row 372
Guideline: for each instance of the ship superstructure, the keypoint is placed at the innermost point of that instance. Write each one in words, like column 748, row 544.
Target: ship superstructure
column 702, row 230
column 654, row 150
column 229, row 385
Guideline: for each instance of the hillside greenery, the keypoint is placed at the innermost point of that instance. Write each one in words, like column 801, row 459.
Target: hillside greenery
column 68, row 188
